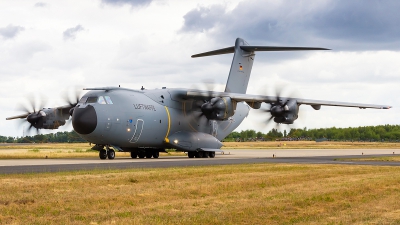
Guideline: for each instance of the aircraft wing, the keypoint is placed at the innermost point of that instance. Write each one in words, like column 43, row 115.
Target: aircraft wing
column 65, row 111
column 251, row 99
column 23, row 116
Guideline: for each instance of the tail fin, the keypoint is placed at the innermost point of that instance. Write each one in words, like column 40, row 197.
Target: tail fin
column 242, row 62
column 239, row 74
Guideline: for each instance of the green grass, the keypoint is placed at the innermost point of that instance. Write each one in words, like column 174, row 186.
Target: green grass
column 34, row 150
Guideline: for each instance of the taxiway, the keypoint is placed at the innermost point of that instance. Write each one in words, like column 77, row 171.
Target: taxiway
column 308, row 156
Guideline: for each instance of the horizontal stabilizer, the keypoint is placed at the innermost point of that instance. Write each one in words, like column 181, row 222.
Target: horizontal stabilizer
column 216, row 52
column 277, row 48
column 254, row 49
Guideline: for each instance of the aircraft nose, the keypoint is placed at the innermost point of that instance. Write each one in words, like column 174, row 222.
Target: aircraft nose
column 84, row 120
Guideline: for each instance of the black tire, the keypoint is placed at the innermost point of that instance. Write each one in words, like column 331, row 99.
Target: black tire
column 133, row 155
column 141, row 155
column 111, row 154
column 205, row 154
column 149, row 154
column 199, row 155
column 191, row 154
column 156, row 154
column 211, row 154
column 103, row 154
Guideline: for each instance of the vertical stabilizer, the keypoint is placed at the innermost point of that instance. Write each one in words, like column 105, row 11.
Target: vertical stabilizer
column 239, row 74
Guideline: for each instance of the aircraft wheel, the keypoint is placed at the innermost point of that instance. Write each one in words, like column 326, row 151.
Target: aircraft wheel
column 103, row 154
column 191, row 154
column 205, row 154
column 199, row 155
column 141, row 155
column 211, row 154
column 111, row 154
column 149, row 154
column 156, row 154
column 133, row 155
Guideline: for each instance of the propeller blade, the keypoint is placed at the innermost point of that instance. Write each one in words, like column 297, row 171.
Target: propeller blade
column 72, row 98
column 269, row 119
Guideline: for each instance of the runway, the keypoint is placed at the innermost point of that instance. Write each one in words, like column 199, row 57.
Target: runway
column 296, row 156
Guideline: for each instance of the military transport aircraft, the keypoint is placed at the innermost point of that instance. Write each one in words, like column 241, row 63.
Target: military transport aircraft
column 146, row 122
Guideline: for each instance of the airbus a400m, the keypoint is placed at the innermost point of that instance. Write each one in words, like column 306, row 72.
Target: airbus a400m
column 146, row 122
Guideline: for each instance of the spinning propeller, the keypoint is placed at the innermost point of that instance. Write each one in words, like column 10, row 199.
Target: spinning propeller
column 213, row 107
column 34, row 118
column 72, row 100
column 47, row 118
column 284, row 110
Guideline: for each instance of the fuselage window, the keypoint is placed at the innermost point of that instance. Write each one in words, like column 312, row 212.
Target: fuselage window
column 91, row 100
column 108, row 100
column 101, row 100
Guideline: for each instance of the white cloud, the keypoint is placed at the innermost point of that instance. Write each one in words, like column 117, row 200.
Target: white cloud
column 10, row 31
column 152, row 45
column 70, row 33
column 40, row 4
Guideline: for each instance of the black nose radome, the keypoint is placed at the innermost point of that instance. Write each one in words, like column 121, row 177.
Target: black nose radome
column 84, row 120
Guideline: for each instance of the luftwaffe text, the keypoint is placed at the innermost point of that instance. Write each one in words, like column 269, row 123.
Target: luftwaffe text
column 145, row 107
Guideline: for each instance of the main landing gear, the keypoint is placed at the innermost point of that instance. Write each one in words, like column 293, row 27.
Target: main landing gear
column 145, row 153
column 201, row 154
column 108, row 153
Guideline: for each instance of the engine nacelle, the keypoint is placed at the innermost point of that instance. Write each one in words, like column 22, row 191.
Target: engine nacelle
column 218, row 108
column 49, row 118
column 287, row 113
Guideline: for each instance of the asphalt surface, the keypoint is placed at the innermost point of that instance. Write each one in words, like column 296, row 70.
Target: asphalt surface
column 298, row 156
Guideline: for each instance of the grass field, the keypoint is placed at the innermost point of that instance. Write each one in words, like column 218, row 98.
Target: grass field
column 374, row 158
column 54, row 151
column 233, row 194
column 236, row 194
column 82, row 150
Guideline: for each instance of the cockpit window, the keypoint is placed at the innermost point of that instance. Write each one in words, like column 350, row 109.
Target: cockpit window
column 91, row 100
column 97, row 99
column 108, row 100
column 83, row 100
column 101, row 100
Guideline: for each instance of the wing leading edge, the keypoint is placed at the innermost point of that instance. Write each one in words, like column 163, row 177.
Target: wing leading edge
column 316, row 104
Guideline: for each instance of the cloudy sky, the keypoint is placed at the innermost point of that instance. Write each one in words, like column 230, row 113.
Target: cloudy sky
column 48, row 48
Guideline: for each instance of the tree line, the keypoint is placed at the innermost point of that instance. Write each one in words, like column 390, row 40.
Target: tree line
column 389, row 133
column 59, row 137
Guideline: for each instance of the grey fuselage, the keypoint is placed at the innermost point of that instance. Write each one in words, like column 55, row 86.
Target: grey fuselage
column 146, row 118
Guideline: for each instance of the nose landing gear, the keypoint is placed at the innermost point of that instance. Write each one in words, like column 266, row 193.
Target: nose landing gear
column 108, row 153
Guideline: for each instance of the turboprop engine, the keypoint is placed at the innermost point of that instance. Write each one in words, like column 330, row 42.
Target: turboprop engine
column 218, row 108
column 284, row 111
